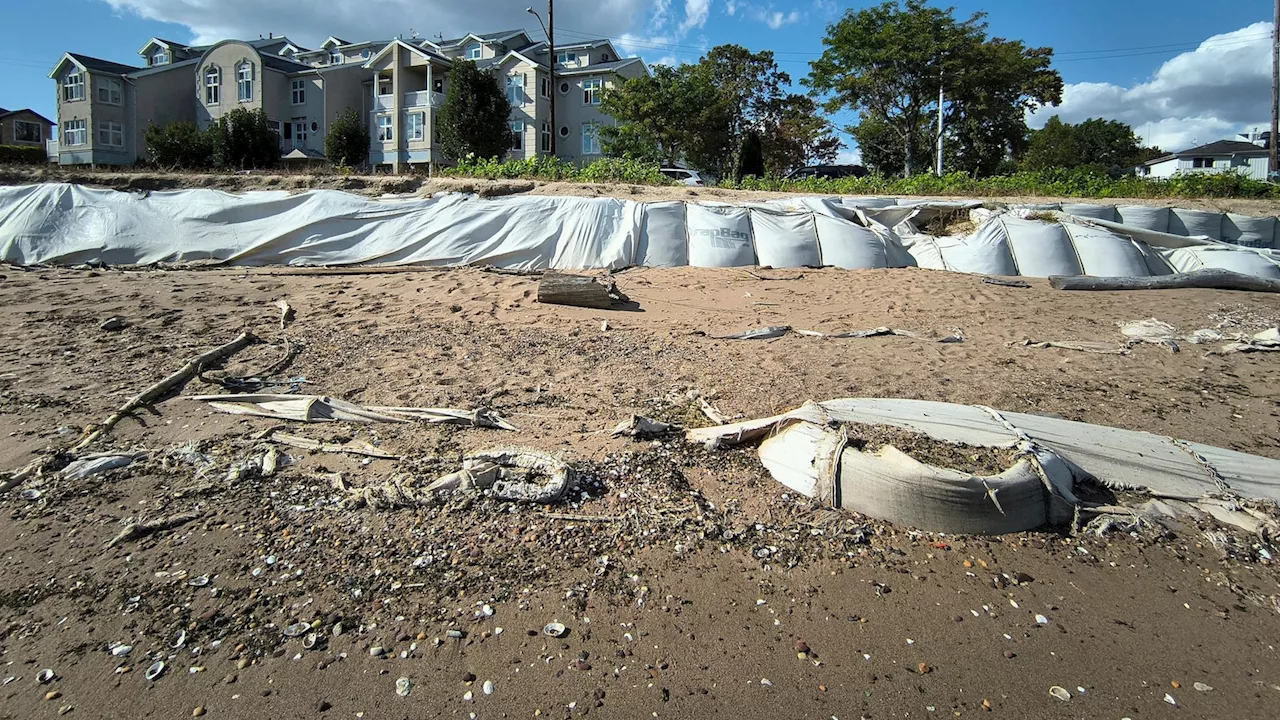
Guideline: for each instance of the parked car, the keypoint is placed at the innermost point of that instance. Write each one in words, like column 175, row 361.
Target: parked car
column 684, row 177
column 829, row 172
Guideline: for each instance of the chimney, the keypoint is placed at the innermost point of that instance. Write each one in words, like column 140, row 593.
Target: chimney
column 270, row 35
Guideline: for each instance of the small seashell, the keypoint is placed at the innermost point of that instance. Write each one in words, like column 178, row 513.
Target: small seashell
column 31, row 494
column 121, row 650
column 179, row 640
column 555, row 630
column 487, row 687
column 1169, row 699
column 309, row 640
column 487, row 610
column 199, row 581
column 404, row 687
column 1202, row 687
column 45, row 676
column 1060, row 693
column 296, row 629
column 468, row 696
column 156, row 670
column 1042, row 619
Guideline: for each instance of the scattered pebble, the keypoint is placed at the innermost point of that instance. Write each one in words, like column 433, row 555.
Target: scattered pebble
column 487, row 687
column 1042, row 620
column 52, row 695
column 923, row 669
column 1170, row 699
column 198, row 711
column 766, row 682
column 1202, row 687
column 404, row 687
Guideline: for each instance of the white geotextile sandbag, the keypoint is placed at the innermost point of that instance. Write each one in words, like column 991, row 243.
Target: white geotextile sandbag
column 850, row 246
column 785, row 240
column 1249, row 231
column 719, row 236
column 869, row 202
column 1093, row 212
column 891, row 485
column 1145, row 217
column 662, row 241
column 1105, row 254
column 1248, row 262
column 985, row 251
column 1040, row 249
column 1196, row 223
column 925, row 251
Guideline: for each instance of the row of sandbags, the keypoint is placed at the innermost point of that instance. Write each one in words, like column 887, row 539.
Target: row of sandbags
column 1008, row 245
column 1244, row 230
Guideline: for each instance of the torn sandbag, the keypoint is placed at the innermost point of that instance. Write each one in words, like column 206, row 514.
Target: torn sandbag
column 1097, row 348
column 805, row 451
column 764, row 333
column 641, row 427
column 98, row 463
column 776, row 331
column 320, row 408
column 507, row 473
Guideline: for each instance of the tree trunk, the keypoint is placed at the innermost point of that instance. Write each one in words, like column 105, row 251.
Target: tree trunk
column 1209, row 278
column 579, row 290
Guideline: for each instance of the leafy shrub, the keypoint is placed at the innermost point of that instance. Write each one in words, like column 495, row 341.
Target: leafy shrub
column 550, row 169
column 18, row 154
column 347, row 142
column 178, row 145
column 243, row 140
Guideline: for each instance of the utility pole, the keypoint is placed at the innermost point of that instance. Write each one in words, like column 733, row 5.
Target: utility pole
column 551, row 67
column 1274, row 164
column 941, row 99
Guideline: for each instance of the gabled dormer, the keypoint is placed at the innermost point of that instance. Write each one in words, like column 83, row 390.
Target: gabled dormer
column 159, row 51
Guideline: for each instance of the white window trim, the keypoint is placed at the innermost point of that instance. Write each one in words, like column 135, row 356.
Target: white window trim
column 387, row 134
column 511, row 127
column 566, row 57
column 545, row 87
column 300, row 135
column 519, row 87
column 244, row 85
column 114, row 90
column 114, row 132
column 39, row 130
column 73, row 130
column 421, row 134
column 474, row 51
column 160, row 57
column 298, row 92
column 589, row 98
column 213, row 85
column 336, row 54
column 73, row 87
column 591, row 132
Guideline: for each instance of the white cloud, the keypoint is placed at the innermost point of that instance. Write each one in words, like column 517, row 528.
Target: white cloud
column 310, row 24
column 849, row 156
column 661, row 10
column 777, row 19
column 1221, row 88
column 731, row 8
column 773, row 18
column 826, row 9
column 695, row 14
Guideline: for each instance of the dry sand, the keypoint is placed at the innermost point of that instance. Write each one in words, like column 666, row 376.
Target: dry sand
column 376, row 185
column 713, row 573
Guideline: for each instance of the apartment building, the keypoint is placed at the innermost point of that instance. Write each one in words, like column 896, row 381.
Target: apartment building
column 104, row 108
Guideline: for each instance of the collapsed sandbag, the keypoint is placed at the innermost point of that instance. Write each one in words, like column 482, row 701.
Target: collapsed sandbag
column 1106, row 254
column 1190, row 259
column 850, row 246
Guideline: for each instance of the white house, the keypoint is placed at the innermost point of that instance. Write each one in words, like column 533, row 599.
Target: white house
column 1240, row 156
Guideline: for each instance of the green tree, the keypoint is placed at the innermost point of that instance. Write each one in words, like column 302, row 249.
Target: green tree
column 244, row 140
column 882, row 148
column 796, row 134
column 888, row 63
column 474, row 118
column 750, row 156
column 676, row 115
column 347, row 142
column 1106, row 145
column 179, row 145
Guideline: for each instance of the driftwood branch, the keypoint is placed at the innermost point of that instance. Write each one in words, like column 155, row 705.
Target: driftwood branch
column 146, row 397
column 1208, row 279
column 303, row 443
column 578, row 290
column 133, row 531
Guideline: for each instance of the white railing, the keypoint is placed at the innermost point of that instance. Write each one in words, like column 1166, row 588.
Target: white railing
column 423, row 98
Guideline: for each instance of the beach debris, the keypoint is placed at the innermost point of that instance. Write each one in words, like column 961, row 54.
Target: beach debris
column 30, row 494
column 468, row 696
column 121, row 650
column 1207, row 278
column 112, row 324
column 91, row 465
column 507, row 473
column 156, row 670
column 198, row 711
column 764, row 333
column 297, row 629
column 555, row 630
column 956, row 336
column 1170, row 699
column 303, row 443
column 321, row 408
column 1042, row 620
column 52, row 695
column 44, row 677
column 310, row 640
column 1060, row 692
column 179, row 639
column 1097, row 348
column 487, row 687
column 286, row 312
column 579, row 290
column 641, row 427
column 403, row 687
column 193, row 367
column 199, row 581
column 1202, row 687
column 1002, row 282
column 136, row 530
column 1265, row 341
column 270, row 461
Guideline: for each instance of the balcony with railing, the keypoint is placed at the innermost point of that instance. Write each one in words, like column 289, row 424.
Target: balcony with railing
column 423, row 98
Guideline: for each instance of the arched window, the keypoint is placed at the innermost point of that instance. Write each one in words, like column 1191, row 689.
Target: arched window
column 213, row 85
column 244, row 81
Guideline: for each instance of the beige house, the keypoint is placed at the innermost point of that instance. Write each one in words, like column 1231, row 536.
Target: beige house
column 24, row 128
column 104, row 108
